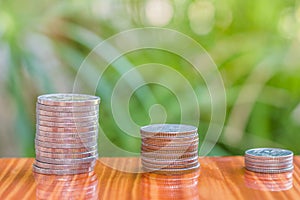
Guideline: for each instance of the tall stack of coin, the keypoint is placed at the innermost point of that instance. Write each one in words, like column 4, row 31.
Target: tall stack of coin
column 269, row 160
column 169, row 148
column 66, row 133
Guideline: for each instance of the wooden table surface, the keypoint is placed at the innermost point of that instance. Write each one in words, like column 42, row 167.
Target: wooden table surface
column 218, row 178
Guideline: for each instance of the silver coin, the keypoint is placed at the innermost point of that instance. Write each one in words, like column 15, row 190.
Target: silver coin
column 270, row 171
column 169, row 128
column 269, row 167
column 66, row 140
column 187, row 147
column 37, row 169
column 67, row 109
column 67, row 135
column 66, row 150
column 281, row 165
column 170, row 136
column 178, row 130
column 66, row 130
column 171, row 144
column 269, row 153
column 67, row 119
column 67, row 125
column 66, row 156
column 66, row 114
column 65, row 161
column 269, row 160
column 68, row 100
column 66, row 146
column 169, row 155
column 61, row 167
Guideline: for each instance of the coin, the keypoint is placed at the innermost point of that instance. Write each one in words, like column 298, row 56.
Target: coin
column 45, row 165
column 67, row 135
column 66, row 156
column 68, row 100
column 66, row 150
column 171, row 144
column 66, row 130
column 150, row 148
column 168, row 155
column 67, row 119
column 67, row 109
column 66, row 114
column 173, row 136
column 270, row 171
column 262, row 164
column 66, row 161
column 273, row 160
column 269, row 153
column 59, row 172
column 168, row 129
column 66, row 140
column 155, row 139
column 67, row 125
column 74, row 145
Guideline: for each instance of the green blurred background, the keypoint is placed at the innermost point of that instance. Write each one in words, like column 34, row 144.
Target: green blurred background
column 255, row 44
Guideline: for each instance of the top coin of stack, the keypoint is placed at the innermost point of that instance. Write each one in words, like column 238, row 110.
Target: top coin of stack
column 269, row 160
column 169, row 148
column 66, row 133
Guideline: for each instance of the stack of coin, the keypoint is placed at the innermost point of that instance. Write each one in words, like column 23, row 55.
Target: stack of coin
column 169, row 148
column 269, row 160
column 66, row 133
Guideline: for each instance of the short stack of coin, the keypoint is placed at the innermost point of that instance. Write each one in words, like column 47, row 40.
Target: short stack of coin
column 269, row 160
column 66, row 133
column 169, row 148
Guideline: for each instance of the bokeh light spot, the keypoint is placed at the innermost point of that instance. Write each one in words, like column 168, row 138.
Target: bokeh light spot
column 202, row 16
column 159, row 12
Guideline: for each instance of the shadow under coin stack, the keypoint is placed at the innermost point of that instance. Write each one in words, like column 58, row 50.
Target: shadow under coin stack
column 269, row 160
column 66, row 133
column 169, row 148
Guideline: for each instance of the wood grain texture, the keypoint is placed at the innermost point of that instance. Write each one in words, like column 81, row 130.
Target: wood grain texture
column 218, row 178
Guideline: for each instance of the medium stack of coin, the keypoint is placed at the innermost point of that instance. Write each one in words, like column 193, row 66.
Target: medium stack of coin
column 66, row 133
column 269, row 160
column 169, row 148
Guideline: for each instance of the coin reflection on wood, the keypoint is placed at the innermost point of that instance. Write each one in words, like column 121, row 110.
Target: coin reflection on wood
column 269, row 182
column 66, row 134
column 161, row 186
column 80, row 186
column 169, row 148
